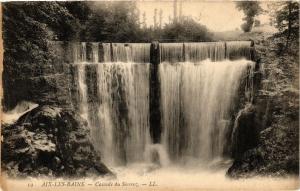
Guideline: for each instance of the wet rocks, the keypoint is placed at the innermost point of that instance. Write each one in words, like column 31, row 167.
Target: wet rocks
column 50, row 141
column 276, row 155
column 245, row 132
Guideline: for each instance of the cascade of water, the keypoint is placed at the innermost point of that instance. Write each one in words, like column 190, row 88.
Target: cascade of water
column 119, row 127
column 83, row 52
column 195, row 52
column 106, row 52
column 196, row 103
column 249, row 83
column 82, row 90
column 238, row 50
column 132, row 52
column 141, row 52
column 201, row 51
column 156, row 154
column 121, row 52
column 123, row 112
column 80, row 57
column 95, row 52
column 197, row 98
column 76, row 52
column 171, row 52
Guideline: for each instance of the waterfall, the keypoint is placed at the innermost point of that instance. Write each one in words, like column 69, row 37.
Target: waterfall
column 123, row 131
column 196, row 102
column 80, row 58
column 114, row 99
column 133, row 52
column 195, row 52
column 95, row 52
column 83, row 90
column 238, row 49
column 106, row 52
column 215, row 51
column 171, row 52
column 199, row 87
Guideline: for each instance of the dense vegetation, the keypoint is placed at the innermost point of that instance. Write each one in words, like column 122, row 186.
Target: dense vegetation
column 38, row 22
column 287, row 21
column 29, row 28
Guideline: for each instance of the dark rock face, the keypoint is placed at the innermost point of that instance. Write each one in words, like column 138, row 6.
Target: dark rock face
column 276, row 155
column 245, row 133
column 50, row 141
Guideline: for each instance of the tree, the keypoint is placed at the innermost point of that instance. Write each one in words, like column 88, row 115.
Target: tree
column 28, row 26
column 175, row 11
column 186, row 30
column 180, row 10
column 155, row 18
column 160, row 18
column 251, row 9
column 113, row 21
column 144, row 20
column 287, row 20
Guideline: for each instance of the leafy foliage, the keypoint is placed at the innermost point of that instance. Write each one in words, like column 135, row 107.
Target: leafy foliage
column 28, row 27
column 40, row 22
column 116, row 22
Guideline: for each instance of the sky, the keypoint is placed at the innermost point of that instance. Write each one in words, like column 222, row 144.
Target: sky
column 216, row 15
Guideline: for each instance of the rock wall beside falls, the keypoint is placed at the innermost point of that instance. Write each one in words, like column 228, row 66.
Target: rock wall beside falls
column 49, row 141
column 274, row 115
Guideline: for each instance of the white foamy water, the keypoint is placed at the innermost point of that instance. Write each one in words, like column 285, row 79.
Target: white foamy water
column 196, row 102
column 119, row 125
column 83, row 90
column 123, row 112
column 13, row 115
column 132, row 52
column 120, row 130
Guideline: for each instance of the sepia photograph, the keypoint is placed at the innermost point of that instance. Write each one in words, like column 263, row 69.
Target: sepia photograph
column 149, row 95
